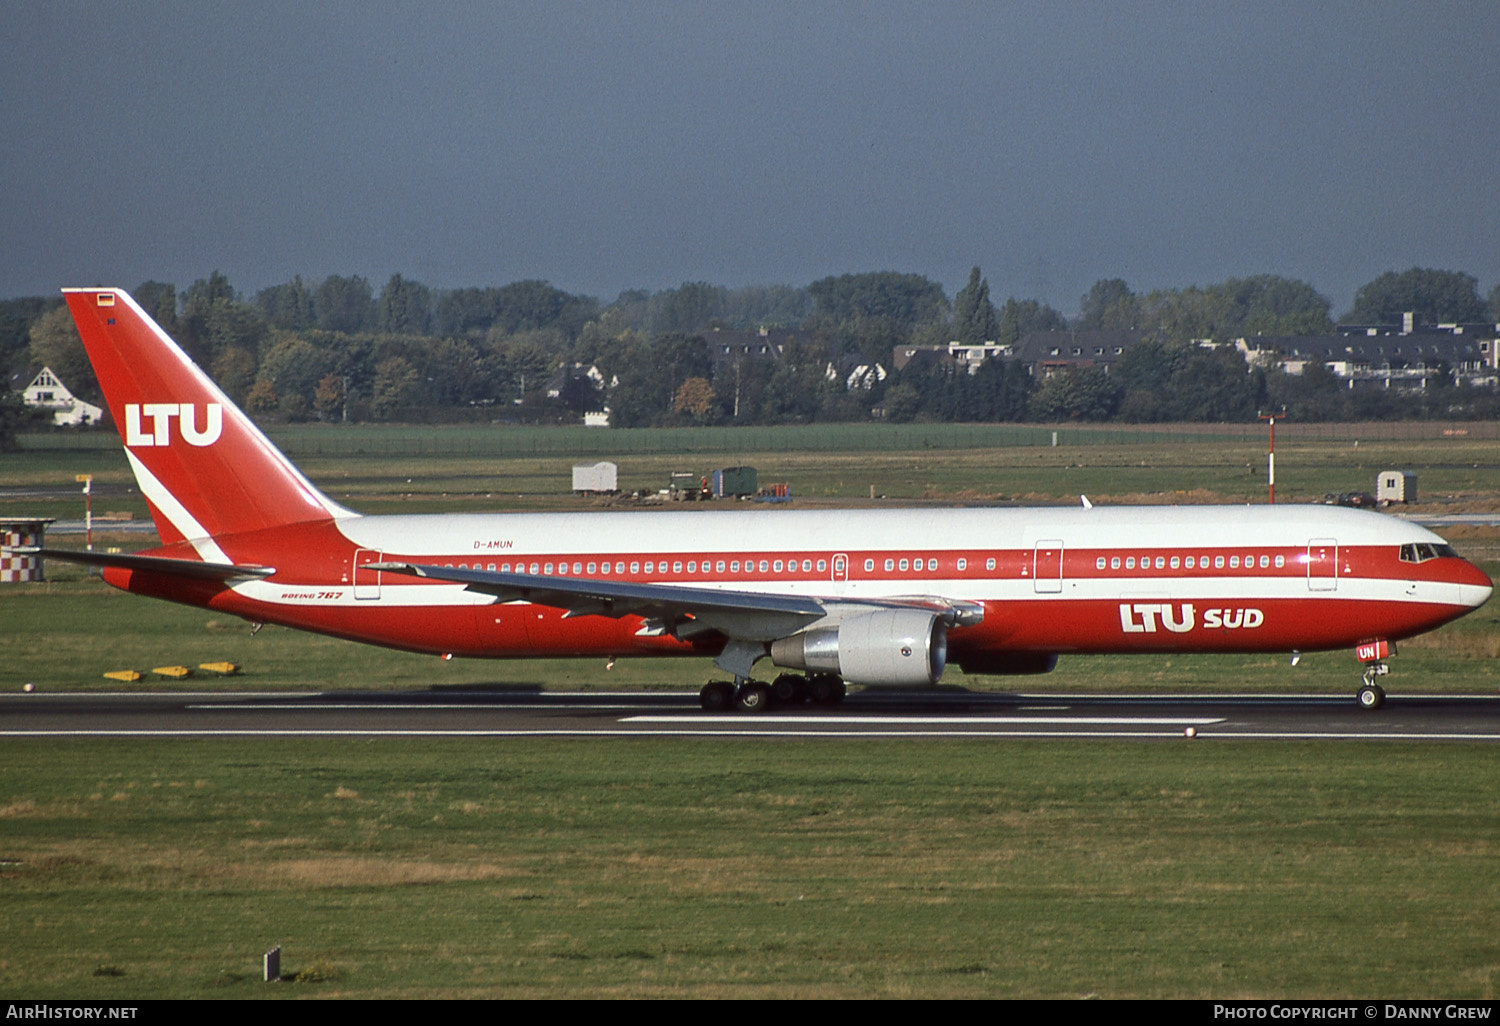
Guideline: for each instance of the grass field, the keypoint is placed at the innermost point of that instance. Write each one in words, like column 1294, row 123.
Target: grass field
column 387, row 470
column 467, row 868
column 744, row 869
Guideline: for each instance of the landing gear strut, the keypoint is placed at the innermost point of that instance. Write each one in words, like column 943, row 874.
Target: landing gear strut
column 1370, row 694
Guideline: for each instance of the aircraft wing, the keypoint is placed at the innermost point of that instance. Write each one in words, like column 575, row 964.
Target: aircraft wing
column 193, row 568
column 680, row 610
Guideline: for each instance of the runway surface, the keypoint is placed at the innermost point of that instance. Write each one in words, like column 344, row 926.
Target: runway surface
column 946, row 714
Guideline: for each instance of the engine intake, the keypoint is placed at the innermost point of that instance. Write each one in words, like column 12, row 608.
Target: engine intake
column 893, row 647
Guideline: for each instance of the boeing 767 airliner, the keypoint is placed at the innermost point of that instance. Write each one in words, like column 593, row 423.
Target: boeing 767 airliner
column 878, row 598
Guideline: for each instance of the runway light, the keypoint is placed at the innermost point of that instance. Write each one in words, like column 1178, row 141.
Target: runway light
column 447, row 657
column 30, row 687
column 1190, row 733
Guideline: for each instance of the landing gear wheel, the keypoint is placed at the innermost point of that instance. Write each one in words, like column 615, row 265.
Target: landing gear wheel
column 790, row 689
column 1371, row 696
column 753, row 697
column 716, row 696
column 826, row 689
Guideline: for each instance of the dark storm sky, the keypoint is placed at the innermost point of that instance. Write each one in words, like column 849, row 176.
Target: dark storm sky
column 605, row 146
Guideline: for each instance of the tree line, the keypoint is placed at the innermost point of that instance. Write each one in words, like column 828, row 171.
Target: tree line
column 339, row 349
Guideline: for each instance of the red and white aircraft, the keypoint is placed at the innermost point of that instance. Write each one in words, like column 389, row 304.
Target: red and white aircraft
column 870, row 597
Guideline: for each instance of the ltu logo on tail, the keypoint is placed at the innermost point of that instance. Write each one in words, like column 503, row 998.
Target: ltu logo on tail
column 160, row 415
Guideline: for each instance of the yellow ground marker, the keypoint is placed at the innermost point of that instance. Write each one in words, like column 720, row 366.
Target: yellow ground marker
column 129, row 676
column 223, row 669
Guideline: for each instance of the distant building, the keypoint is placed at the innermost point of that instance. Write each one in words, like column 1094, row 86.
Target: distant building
column 1047, row 352
column 1364, row 356
column 579, row 376
column 918, row 357
column 855, row 373
column 1380, row 361
column 968, row 355
column 48, row 393
column 730, row 345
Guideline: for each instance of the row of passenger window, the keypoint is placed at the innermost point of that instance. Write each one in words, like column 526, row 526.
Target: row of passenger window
column 652, row 566
column 733, row 566
column 891, row 565
column 1191, row 562
column 911, row 565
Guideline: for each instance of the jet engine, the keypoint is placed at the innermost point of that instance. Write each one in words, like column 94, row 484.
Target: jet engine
column 894, row 647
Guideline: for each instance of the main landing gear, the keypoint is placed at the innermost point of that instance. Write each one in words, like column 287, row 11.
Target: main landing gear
column 789, row 689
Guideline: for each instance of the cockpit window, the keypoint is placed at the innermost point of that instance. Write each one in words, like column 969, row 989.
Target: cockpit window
column 1421, row 552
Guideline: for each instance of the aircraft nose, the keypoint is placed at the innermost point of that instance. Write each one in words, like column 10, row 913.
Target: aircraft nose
column 1474, row 585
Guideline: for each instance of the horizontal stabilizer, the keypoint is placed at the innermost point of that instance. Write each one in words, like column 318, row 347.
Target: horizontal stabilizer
column 154, row 564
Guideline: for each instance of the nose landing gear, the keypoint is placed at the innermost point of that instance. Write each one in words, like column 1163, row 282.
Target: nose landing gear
column 1373, row 654
column 1370, row 694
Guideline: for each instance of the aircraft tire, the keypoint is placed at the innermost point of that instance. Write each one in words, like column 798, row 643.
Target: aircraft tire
column 753, row 697
column 826, row 689
column 716, row 696
column 790, row 689
column 1371, row 696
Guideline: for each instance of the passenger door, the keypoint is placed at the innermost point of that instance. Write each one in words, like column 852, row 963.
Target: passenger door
column 366, row 582
column 1046, row 566
column 1322, row 564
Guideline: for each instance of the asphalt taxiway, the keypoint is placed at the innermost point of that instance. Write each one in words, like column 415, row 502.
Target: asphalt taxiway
column 949, row 713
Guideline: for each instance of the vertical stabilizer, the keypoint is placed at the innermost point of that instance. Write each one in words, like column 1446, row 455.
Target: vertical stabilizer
column 203, row 466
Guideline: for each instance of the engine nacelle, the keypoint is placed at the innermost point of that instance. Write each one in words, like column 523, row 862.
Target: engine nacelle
column 894, row 647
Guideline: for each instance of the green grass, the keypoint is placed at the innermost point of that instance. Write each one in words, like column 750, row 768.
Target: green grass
column 749, row 869
column 468, row 868
column 506, row 441
column 389, row 477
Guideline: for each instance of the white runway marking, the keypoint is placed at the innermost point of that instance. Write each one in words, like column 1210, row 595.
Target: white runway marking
column 748, row 730
column 1309, row 735
column 859, row 720
column 363, row 706
column 76, row 695
column 761, row 729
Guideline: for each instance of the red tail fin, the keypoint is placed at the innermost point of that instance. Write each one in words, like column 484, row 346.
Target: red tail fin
column 203, row 466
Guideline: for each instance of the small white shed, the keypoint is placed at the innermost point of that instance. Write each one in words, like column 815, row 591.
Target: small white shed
column 597, row 478
column 1396, row 486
